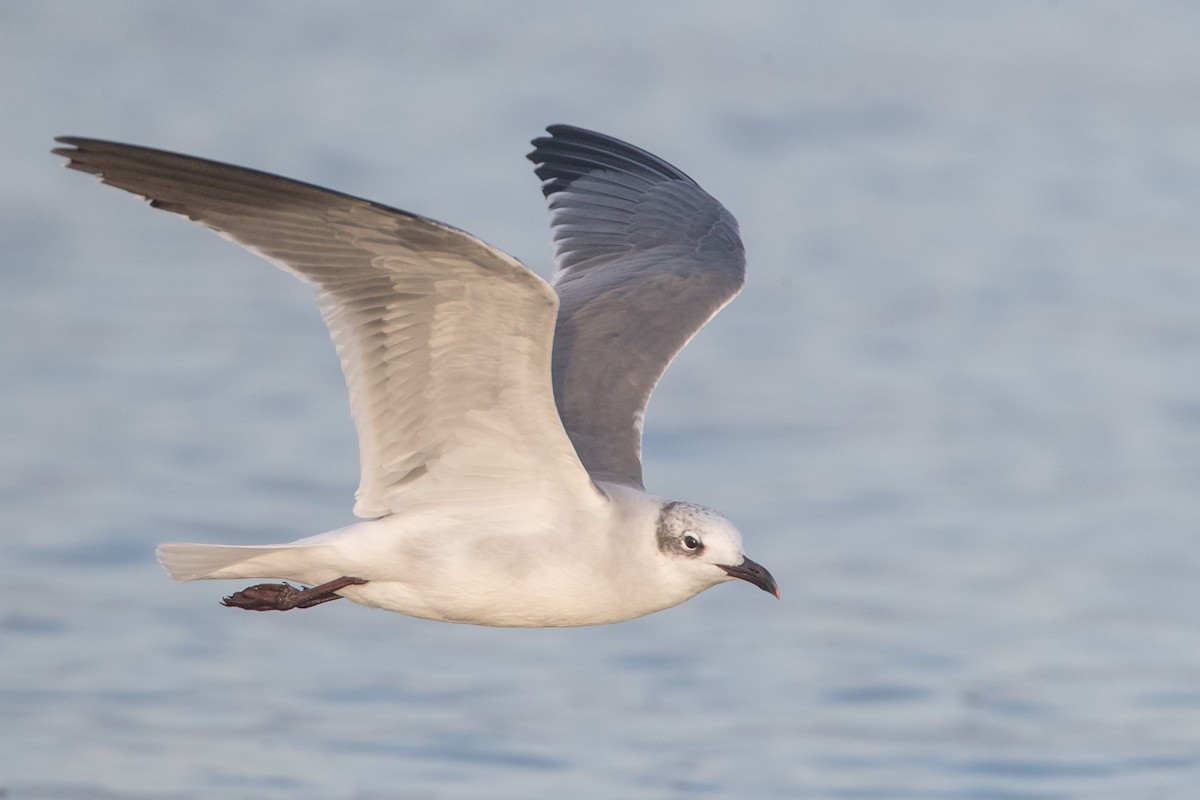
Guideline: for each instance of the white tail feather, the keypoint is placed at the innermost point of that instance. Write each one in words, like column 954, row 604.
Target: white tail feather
column 191, row 562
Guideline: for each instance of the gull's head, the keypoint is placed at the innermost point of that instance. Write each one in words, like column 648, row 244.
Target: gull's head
column 702, row 548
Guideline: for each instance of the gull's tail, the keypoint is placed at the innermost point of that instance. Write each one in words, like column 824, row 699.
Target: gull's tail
column 193, row 562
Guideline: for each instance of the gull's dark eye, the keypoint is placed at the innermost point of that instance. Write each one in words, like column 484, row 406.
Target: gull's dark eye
column 691, row 542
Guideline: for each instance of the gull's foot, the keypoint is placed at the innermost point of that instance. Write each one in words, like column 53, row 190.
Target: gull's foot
column 264, row 597
column 283, row 596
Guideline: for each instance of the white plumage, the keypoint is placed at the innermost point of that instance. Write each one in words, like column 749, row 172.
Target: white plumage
column 499, row 419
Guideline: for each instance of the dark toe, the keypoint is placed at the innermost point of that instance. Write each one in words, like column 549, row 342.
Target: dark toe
column 264, row 597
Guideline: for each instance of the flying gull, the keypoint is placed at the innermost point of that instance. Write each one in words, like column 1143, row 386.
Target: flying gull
column 499, row 416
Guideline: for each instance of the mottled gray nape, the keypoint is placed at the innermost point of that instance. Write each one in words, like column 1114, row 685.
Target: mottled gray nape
column 676, row 520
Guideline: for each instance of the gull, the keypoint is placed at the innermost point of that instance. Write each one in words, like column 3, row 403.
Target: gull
column 499, row 417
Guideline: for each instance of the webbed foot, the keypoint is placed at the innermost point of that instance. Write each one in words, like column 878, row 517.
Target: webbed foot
column 284, row 597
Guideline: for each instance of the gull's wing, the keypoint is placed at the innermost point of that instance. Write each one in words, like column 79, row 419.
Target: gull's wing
column 444, row 341
column 645, row 258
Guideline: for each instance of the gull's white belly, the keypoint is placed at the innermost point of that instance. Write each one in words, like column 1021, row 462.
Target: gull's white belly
column 584, row 572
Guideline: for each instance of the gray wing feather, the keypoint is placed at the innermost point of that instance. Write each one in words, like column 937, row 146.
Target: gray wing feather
column 444, row 341
column 645, row 258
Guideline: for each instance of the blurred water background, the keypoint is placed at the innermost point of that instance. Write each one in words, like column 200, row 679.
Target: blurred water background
column 955, row 411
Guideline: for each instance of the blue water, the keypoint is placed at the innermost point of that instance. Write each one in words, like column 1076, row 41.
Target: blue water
column 956, row 410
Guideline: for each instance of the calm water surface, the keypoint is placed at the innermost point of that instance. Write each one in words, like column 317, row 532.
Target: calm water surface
column 956, row 410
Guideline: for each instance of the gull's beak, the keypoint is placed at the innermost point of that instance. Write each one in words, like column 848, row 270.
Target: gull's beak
column 754, row 573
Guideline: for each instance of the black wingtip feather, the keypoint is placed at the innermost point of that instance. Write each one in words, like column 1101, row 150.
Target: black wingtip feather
column 74, row 147
column 569, row 153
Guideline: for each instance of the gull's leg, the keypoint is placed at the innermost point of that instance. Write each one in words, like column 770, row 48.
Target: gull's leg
column 282, row 596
